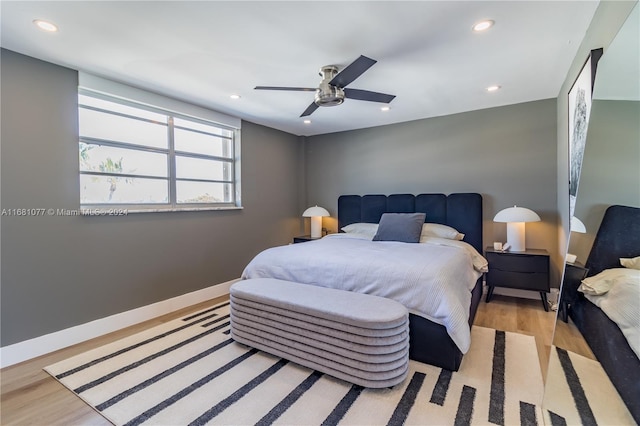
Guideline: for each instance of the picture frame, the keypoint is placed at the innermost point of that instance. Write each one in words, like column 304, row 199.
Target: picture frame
column 579, row 101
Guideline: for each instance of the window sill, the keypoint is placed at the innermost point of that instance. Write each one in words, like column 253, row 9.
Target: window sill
column 123, row 211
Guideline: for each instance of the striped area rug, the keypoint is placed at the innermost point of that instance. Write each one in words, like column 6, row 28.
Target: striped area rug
column 189, row 372
column 579, row 392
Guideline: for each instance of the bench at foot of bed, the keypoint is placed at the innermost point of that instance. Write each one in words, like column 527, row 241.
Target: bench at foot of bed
column 356, row 337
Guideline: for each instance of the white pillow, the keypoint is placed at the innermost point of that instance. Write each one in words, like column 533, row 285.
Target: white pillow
column 601, row 283
column 440, row 231
column 367, row 229
column 633, row 263
column 428, row 230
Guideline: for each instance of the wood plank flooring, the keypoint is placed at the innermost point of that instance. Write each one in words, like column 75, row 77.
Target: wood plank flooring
column 30, row 396
column 565, row 337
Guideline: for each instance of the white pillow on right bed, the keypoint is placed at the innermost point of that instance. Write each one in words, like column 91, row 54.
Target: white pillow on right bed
column 601, row 283
column 440, row 231
column 620, row 303
column 633, row 263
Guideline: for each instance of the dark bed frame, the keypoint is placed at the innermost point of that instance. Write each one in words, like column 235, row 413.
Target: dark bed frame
column 618, row 236
column 429, row 342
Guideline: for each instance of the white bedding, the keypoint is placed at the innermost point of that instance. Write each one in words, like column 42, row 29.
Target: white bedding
column 433, row 279
column 620, row 303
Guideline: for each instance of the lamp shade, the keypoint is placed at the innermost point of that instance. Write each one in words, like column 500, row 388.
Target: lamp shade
column 515, row 217
column 577, row 225
column 315, row 211
column 516, row 214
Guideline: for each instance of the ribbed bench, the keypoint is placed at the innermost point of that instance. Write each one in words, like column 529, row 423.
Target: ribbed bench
column 356, row 337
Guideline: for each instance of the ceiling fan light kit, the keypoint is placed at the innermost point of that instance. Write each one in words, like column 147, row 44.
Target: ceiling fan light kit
column 332, row 90
column 328, row 95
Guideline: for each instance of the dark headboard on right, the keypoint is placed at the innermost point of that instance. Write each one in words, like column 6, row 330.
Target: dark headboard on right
column 618, row 236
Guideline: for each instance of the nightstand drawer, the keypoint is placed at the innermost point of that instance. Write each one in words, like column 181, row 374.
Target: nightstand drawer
column 518, row 262
column 304, row 239
column 538, row 281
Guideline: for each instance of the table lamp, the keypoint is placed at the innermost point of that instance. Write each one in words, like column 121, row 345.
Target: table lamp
column 576, row 226
column 515, row 218
column 316, row 213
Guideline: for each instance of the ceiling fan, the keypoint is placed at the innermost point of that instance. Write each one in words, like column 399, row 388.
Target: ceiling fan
column 332, row 89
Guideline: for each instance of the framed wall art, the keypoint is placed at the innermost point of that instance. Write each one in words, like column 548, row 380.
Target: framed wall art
column 579, row 110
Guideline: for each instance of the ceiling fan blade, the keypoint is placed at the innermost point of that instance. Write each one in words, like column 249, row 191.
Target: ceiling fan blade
column 352, row 71
column 310, row 109
column 366, row 95
column 297, row 89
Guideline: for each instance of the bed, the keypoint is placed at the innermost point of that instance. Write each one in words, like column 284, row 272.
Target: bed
column 618, row 237
column 434, row 339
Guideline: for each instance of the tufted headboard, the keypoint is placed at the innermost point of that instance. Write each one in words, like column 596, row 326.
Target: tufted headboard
column 462, row 211
column 618, row 236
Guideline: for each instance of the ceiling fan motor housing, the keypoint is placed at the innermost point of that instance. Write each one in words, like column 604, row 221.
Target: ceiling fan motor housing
column 328, row 95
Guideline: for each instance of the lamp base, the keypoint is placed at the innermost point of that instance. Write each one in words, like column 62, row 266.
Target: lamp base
column 316, row 226
column 515, row 236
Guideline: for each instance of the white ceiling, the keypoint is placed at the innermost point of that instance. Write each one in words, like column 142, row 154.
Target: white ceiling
column 204, row 51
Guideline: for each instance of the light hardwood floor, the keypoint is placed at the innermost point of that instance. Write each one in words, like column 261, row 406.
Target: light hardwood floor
column 568, row 337
column 31, row 397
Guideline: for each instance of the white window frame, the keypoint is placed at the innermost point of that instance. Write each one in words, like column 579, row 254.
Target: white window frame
column 172, row 206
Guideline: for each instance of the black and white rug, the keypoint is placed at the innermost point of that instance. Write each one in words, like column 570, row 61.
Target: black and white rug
column 190, row 372
column 579, row 392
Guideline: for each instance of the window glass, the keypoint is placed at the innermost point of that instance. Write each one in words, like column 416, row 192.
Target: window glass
column 122, row 190
column 203, row 192
column 207, row 128
column 199, row 168
column 100, row 125
column 200, row 143
column 121, row 108
column 138, row 156
column 109, row 159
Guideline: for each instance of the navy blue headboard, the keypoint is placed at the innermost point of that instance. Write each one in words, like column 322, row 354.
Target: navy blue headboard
column 462, row 211
column 618, row 236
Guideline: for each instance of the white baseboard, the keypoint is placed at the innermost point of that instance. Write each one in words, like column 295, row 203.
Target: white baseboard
column 28, row 349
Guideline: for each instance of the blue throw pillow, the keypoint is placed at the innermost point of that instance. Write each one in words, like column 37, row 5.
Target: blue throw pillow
column 402, row 227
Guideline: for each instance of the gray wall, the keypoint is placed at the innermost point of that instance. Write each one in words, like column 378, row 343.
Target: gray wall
column 58, row 272
column 508, row 154
column 611, row 168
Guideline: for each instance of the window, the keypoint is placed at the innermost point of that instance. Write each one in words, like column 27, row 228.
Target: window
column 143, row 158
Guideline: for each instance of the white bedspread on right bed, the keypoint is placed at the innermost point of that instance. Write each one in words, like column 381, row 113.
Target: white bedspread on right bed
column 620, row 302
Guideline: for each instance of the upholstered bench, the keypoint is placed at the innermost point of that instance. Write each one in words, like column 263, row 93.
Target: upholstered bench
column 356, row 337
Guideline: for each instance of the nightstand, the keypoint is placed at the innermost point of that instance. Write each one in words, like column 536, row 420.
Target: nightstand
column 574, row 273
column 523, row 270
column 304, row 239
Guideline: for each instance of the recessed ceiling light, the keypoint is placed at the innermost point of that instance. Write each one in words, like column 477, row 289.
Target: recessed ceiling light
column 307, row 121
column 493, row 88
column 385, row 108
column 45, row 25
column 234, row 96
column 483, row 25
